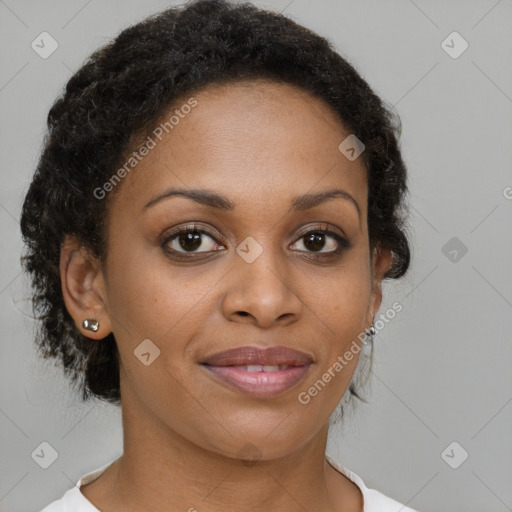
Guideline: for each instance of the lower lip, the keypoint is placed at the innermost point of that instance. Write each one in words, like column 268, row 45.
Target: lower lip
column 260, row 384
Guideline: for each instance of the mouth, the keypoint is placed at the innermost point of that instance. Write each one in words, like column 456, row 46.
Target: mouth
column 259, row 372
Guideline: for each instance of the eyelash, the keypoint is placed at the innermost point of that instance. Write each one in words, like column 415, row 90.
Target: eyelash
column 343, row 243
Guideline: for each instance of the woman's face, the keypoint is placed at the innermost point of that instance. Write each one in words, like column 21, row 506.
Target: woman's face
column 250, row 276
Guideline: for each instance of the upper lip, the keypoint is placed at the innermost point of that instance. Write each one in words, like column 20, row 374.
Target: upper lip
column 276, row 355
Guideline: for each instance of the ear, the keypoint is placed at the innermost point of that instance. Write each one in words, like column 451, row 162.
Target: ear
column 381, row 262
column 83, row 288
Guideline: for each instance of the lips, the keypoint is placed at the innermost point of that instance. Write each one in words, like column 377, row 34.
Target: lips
column 251, row 355
column 259, row 372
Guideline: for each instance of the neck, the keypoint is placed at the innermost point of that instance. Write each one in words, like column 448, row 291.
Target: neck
column 162, row 470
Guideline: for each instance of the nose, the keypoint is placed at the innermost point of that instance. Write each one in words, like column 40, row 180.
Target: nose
column 262, row 292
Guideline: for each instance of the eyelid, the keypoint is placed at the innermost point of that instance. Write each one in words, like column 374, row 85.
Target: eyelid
column 342, row 241
column 193, row 226
column 324, row 226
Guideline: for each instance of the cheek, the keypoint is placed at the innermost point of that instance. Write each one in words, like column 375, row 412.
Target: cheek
column 346, row 310
column 339, row 297
column 168, row 305
column 149, row 295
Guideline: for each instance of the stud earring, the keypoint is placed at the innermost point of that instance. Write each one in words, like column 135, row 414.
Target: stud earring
column 371, row 330
column 90, row 324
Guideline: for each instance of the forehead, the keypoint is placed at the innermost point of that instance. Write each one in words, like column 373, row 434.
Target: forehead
column 256, row 139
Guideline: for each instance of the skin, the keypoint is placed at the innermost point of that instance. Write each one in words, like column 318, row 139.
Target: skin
column 260, row 144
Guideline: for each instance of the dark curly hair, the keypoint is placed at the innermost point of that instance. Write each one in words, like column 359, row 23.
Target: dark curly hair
column 124, row 89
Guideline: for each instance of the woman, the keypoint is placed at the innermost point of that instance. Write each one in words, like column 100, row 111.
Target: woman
column 218, row 201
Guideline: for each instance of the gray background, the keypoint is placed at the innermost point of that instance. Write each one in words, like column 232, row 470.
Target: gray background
column 442, row 366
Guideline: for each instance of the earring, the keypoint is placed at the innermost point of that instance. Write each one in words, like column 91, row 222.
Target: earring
column 90, row 324
column 371, row 330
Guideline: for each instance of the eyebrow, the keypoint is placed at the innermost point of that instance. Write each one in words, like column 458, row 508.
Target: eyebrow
column 214, row 200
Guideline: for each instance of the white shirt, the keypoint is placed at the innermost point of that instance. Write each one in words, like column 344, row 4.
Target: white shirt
column 74, row 501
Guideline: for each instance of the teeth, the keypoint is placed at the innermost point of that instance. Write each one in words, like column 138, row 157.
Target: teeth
column 254, row 368
column 263, row 368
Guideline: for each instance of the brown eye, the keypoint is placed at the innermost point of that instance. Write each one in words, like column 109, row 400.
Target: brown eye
column 190, row 239
column 316, row 240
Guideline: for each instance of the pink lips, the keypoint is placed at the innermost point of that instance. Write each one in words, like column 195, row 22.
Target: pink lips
column 242, row 368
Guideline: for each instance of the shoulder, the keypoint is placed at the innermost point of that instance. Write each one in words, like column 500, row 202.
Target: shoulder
column 374, row 501
column 54, row 506
column 70, row 502
column 73, row 500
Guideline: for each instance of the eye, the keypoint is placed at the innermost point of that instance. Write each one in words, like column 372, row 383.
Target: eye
column 190, row 239
column 319, row 242
column 318, row 239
